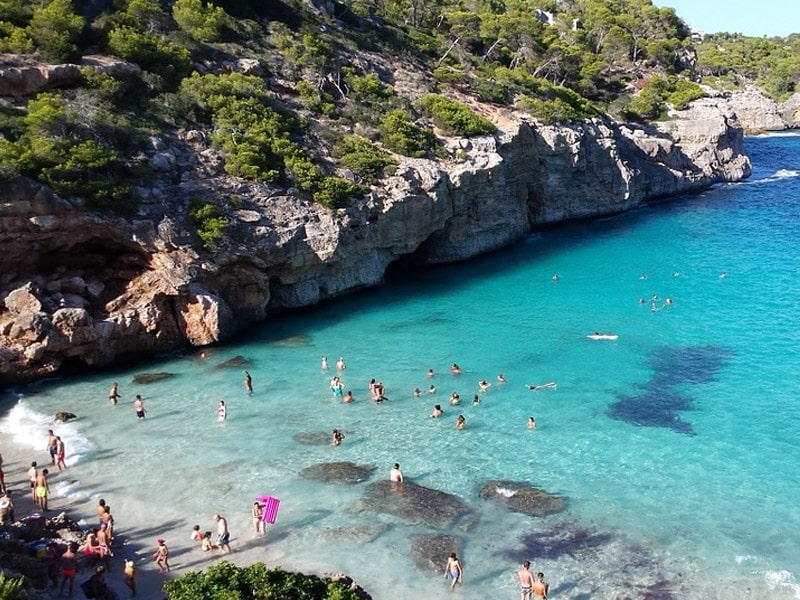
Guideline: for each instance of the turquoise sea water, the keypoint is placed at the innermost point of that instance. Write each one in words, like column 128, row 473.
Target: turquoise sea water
column 676, row 445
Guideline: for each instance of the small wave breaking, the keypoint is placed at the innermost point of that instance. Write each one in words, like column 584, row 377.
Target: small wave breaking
column 28, row 427
column 782, row 579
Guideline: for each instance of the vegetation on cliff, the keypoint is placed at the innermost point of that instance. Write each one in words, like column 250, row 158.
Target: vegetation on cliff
column 326, row 96
column 728, row 61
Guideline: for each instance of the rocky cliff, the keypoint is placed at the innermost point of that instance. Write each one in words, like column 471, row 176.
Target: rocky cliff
column 82, row 289
column 757, row 113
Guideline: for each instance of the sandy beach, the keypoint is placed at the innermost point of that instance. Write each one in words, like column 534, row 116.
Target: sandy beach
column 133, row 540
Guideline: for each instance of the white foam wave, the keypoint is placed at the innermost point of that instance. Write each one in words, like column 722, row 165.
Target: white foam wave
column 782, row 579
column 505, row 492
column 744, row 558
column 778, row 175
column 776, row 134
column 28, row 427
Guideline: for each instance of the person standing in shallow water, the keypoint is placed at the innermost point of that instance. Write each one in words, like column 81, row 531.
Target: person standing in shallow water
column 525, row 581
column 113, row 394
column 138, row 406
column 453, row 572
column 248, row 383
column 61, row 454
column 223, row 535
column 540, row 587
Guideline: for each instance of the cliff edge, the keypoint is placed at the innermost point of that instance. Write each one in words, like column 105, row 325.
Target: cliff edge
column 82, row 289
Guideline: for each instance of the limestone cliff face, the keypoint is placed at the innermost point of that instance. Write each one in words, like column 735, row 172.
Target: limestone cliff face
column 78, row 288
column 757, row 113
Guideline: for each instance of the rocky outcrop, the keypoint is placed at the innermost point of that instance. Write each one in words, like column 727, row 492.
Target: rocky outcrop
column 790, row 111
column 338, row 472
column 756, row 112
column 79, row 288
column 20, row 79
column 523, row 498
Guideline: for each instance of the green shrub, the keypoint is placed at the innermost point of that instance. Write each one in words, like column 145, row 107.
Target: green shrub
column 210, row 222
column 11, row 588
column 335, row 192
column 55, row 29
column 225, row 581
column 202, row 21
column 15, row 39
column 454, row 118
column 16, row 12
column 399, row 134
column 317, row 99
column 682, row 92
column 212, row 92
column 54, row 148
column 362, row 157
column 368, row 88
column 166, row 59
column 145, row 15
column 648, row 104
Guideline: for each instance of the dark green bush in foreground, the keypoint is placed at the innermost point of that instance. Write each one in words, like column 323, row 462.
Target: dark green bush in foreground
column 225, row 581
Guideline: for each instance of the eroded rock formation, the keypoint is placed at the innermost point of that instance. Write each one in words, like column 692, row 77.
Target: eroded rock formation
column 80, row 288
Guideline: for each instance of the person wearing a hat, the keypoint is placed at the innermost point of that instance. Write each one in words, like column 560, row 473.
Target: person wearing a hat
column 161, row 556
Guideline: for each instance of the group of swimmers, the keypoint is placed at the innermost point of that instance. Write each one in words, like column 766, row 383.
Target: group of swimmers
column 378, row 393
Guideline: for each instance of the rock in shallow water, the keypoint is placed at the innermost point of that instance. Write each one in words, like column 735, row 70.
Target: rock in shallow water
column 145, row 378
column 414, row 503
column 312, row 438
column 237, row 361
column 430, row 551
column 523, row 498
column 63, row 416
column 338, row 472
column 356, row 534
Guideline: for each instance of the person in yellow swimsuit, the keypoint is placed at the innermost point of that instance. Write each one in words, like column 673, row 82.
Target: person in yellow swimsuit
column 129, row 576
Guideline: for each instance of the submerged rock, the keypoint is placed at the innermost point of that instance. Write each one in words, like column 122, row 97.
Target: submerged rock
column 237, row 361
column 563, row 541
column 64, row 416
column 292, row 341
column 356, row 534
column 338, row 472
column 414, row 503
column 429, row 551
column 523, row 498
column 312, row 438
column 145, row 378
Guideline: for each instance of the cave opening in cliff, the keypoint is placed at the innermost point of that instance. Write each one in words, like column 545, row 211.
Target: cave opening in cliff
column 113, row 265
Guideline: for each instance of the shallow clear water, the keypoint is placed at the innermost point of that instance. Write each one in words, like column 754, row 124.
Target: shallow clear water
column 676, row 445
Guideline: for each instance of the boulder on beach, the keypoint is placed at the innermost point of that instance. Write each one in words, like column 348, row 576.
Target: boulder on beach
column 429, row 551
column 63, row 416
column 237, row 362
column 523, row 498
column 145, row 378
column 338, row 472
column 414, row 503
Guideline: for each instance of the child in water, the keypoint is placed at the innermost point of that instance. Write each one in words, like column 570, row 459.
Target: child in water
column 206, row 544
